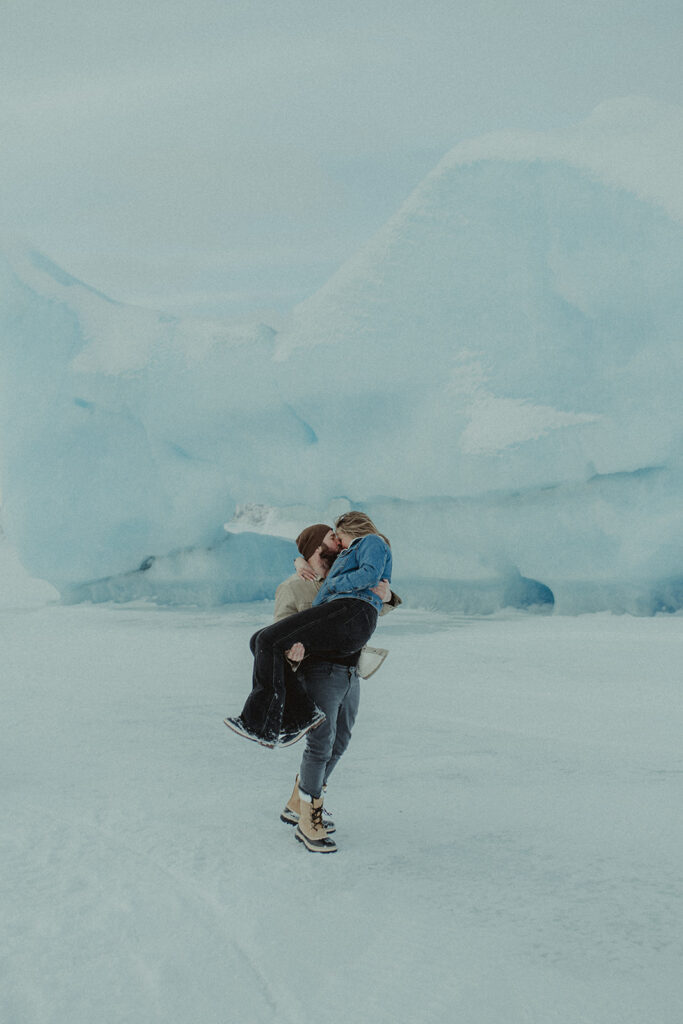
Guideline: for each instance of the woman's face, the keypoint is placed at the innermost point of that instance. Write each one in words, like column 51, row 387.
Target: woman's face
column 344, row 539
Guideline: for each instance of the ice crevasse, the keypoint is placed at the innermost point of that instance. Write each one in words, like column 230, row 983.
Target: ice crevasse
column 495, row 377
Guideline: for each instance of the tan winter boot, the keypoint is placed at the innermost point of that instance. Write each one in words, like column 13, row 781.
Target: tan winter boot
column 310, row 831
column 292, row 809
column 290, row 814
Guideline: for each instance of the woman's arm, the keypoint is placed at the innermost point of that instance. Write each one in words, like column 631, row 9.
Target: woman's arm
column 303, row 569
column 372, row 558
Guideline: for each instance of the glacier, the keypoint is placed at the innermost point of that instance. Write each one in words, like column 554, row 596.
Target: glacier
column 494, row 377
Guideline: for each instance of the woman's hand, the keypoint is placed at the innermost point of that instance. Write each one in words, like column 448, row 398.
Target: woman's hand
column 303, row 569
column 383, row 591
column 297, row 652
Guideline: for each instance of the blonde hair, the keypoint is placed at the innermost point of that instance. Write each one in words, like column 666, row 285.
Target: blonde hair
column 357, row 524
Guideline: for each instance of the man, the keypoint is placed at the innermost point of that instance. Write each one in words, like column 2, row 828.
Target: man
column 330, row 679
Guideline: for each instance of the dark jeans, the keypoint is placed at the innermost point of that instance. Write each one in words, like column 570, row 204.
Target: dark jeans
column 336, row 690
column 277, row 700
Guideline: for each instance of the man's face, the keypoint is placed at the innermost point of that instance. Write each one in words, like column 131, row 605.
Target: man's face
column 331, row 542
column 329, row 549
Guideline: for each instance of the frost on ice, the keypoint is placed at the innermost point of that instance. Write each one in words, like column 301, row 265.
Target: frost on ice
column 495, row 377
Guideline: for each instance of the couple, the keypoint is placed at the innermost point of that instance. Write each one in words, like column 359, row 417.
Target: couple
column 328, row 620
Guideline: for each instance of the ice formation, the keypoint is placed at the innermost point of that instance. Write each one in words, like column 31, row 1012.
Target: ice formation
column 495, row 377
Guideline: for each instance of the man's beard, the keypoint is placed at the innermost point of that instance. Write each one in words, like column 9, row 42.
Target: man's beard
column 328, row 557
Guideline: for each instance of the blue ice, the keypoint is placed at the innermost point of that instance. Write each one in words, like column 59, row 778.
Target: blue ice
column 495, row 377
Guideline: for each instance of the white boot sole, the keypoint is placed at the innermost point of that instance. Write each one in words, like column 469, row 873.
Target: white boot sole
column 289, row 739
column 316, row 845
column 237, row 727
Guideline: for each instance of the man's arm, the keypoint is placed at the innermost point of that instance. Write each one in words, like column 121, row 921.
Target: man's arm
column 292, row 596
column 390, row 600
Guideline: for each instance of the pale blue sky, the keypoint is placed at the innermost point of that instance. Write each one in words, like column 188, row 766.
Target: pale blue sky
column 228, row 156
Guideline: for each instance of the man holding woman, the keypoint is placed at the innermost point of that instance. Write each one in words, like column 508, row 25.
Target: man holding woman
column 343, row 616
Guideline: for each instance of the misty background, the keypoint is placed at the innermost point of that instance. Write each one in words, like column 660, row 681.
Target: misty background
column 227, row 158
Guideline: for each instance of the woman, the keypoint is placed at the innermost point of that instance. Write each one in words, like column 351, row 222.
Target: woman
column 342, row 619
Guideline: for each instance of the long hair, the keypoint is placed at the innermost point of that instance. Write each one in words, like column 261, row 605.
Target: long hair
column 357, row 524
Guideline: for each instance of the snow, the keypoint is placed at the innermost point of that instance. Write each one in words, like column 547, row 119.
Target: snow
column 507, row 819
column 17, row 588
column 632, row 142
column 501, row 361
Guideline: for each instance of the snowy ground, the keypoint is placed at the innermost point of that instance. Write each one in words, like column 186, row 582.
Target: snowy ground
column 509, row 824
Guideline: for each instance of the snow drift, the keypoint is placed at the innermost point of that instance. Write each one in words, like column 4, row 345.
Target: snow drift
column 495, row 377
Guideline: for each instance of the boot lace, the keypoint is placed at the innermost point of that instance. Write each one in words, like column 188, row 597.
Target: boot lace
column 317, row 818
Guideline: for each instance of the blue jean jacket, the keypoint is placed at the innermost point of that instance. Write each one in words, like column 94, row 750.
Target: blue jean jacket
column 356, row 570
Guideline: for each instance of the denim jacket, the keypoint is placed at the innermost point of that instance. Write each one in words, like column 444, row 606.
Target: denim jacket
column 356, row 570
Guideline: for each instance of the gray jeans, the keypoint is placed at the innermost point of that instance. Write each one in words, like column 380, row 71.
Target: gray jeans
column 336, row 690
